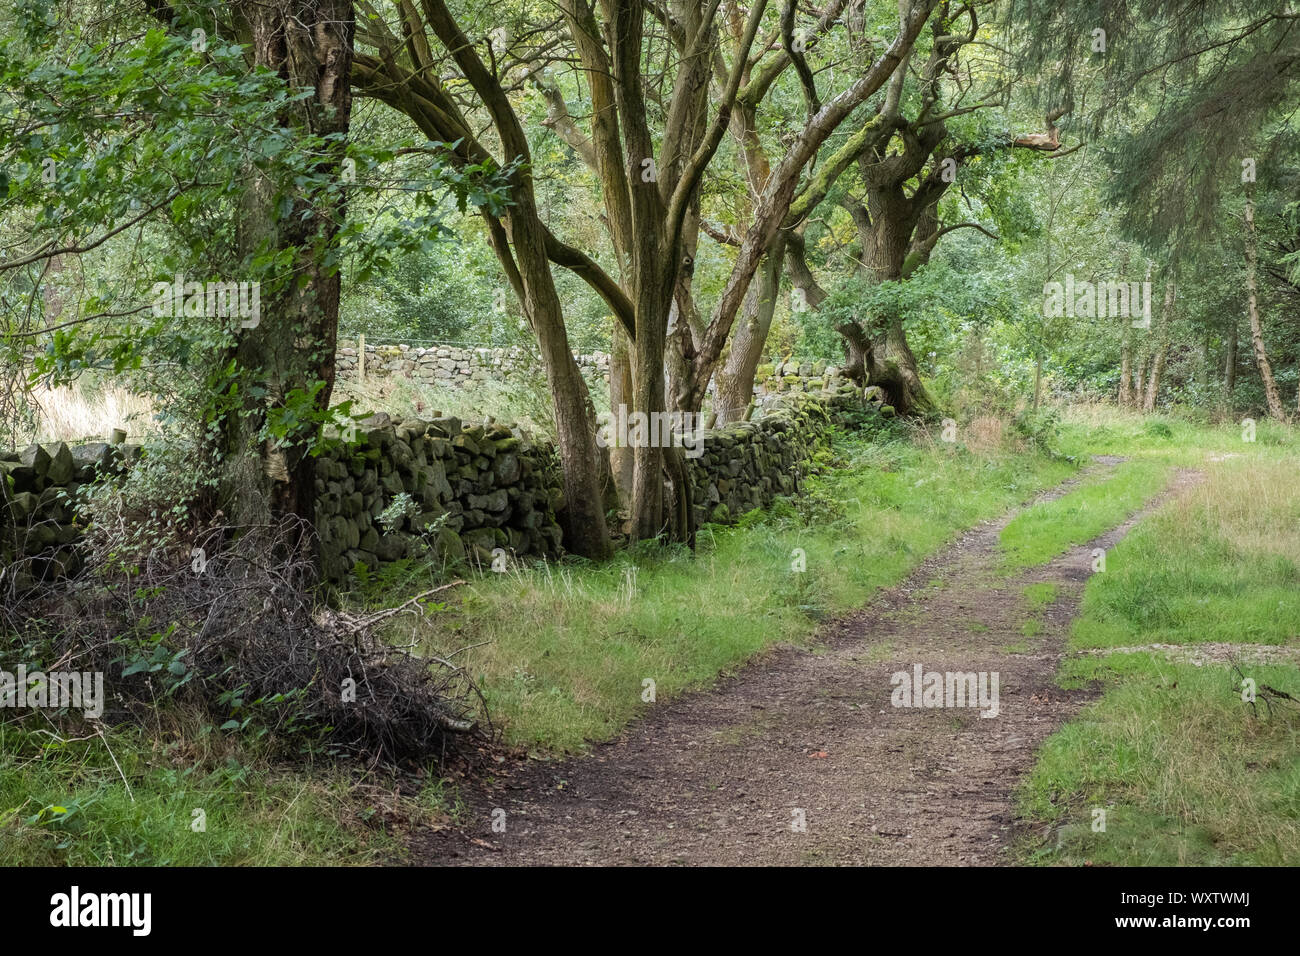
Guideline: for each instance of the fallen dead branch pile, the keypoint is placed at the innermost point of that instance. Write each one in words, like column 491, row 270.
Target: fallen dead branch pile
column 236, row 622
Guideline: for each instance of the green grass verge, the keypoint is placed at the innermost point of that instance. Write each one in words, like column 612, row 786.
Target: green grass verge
column 1105, row 430
column 1184, row 770
column 64, row 802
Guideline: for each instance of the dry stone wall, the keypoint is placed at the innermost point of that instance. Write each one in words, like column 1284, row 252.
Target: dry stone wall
column 456, row 490
column 747, row 464
column 463, row 490
column 38, row 524
column 453, row 366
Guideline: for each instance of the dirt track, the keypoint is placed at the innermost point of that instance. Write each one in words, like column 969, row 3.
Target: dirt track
column 723, row 777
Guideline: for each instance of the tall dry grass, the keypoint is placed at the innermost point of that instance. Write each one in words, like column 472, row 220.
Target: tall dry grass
column 73, row 413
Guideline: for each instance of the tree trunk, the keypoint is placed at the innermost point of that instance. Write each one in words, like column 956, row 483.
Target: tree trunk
column 685, row 326
column 886, row 227
column 654, row 510
column 801, row 276
column 1230, row 360
column 735, row 380
column 774, row 205
column 886, row 231
column 525, row 258
column 290, row 351
column 1161, row 349
column 887, row 362
column 903, row 376
column 1126, row 366
column 522, row 254
column 1205, row 361
column 1271, row 394
column 859, row 354
column 1153, row 381
column 620, row 395
column 654, row 301
column 582, row 517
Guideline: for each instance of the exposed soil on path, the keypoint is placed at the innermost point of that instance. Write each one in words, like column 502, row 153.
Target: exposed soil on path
column 724, row 776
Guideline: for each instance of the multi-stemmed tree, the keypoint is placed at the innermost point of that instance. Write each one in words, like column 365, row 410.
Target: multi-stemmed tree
column 651, row 136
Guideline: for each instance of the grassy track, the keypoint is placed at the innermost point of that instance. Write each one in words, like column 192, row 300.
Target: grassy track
column 1185, row 771
column 565, row 652
column 1051, row 528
